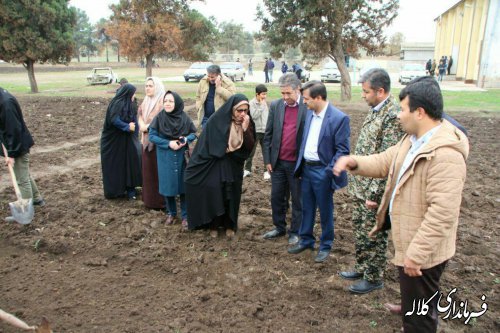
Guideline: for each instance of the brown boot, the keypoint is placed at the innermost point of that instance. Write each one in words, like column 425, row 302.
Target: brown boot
column 229, row 233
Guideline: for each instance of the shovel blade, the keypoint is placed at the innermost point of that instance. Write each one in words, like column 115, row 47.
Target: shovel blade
column 22, row 210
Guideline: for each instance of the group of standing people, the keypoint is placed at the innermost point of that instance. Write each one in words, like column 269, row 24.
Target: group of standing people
column 443, row 67
column 408, row 171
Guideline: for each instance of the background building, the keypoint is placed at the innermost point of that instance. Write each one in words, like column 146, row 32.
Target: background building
column 417, row 52
column 470, row 32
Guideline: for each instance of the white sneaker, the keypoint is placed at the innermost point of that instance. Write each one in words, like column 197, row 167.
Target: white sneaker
column 246, row 173
column 267, row 176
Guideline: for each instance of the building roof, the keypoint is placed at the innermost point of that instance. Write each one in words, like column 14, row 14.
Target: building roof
column 446, row 11
column 417, row 46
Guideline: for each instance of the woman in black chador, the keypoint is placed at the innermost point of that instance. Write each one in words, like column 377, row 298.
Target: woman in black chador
column 214, row 175
column 120, row 146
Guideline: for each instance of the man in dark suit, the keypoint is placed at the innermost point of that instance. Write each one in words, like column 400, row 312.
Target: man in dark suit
column 282, row 138
column 326, row 138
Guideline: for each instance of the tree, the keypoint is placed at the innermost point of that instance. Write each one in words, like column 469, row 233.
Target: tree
column 82, row 33
column 103, row 35
column 234, row 37
column 328, row 28
column 199, row 36
column 395, row 42
column 36, row 31
column 145, row 28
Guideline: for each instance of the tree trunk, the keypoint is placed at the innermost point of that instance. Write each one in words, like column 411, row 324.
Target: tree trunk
column 78, row 55
column 29, row 65
column 118, row 51
column 149, row 65
column 107, row 53
column 345, row 81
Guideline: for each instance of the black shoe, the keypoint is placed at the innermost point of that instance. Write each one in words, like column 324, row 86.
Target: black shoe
column 297, row 248
column 39, row 202
column 275, row 233
column 322, row 256
column 293, row 239
column 351, row 275
column 363, row 287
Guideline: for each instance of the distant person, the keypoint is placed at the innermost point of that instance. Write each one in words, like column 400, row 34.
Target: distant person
column 259, row 112
column 237, row 59
column 433, row 68
column 284, row 130
column 213, row 91
column 149, row 108
column 326, row 139
column 270, row 69
column 16, row 138
column 425, row 172
column 450, row 63
column 266, row 70
column 284, row 67
column 171, row 131
column 298, row 71
column 428, row 66
column 120, row 146
column 441, row 70
column 250, row 67
column 214, row 175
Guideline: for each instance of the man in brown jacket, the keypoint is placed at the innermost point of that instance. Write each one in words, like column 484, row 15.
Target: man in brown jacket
column 425, row 176
column 213, row 91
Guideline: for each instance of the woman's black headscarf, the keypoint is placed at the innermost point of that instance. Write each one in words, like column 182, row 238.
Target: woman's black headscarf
column 121, row 105
column 172, row 125
column 213, row 141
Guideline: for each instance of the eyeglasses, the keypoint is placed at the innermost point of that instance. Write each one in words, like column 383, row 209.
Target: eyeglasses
column 242, row 110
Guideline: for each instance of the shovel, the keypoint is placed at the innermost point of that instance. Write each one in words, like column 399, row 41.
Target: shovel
column 22, row 209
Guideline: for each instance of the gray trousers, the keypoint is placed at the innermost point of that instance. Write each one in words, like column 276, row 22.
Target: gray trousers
column 26, row 183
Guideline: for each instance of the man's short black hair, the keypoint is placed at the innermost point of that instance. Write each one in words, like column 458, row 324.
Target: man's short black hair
column 213, row 69
column 377, row 78
column 316, row 88
column 424, row 92
column 260, row 89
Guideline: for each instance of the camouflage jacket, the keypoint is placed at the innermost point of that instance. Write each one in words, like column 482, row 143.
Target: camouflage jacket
column 380, row 131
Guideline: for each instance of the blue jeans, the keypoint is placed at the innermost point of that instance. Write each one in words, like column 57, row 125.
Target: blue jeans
column 316, row 192
column 172, row 206
column 283, row 183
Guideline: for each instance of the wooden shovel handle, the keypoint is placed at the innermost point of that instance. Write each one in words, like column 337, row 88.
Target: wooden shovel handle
column 12, row 174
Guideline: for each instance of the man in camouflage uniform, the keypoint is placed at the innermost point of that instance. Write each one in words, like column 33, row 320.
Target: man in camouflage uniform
column 380, row 131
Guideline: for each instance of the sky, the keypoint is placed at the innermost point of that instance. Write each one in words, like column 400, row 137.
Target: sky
column 415, row 19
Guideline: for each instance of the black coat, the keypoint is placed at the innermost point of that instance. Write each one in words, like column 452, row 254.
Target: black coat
column 120, row 148
column 274, row 130
column 13, row 131
column 213, row 178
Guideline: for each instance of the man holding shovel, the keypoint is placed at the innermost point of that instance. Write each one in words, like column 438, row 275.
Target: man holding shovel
column 16, row 138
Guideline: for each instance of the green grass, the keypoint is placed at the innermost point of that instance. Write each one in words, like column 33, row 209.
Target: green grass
column 72, row 83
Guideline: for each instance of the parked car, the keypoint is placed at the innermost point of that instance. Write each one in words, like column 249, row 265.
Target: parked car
column 196, row 71
column 410, row 72
column 330, row 72
column 102, row 75
column 233, row 70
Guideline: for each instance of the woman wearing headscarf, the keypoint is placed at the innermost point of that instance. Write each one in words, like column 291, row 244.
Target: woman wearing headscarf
column 120, row 147
column 214, row 175
column 171, row 131
column 150, row 107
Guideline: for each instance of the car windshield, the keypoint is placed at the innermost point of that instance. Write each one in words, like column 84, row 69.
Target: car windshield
column 102, row 71
column 228, row 66
column 199, row 66
column 331, row 65
column 413, row 67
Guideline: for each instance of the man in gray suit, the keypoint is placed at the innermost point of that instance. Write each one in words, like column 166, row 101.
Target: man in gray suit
column 282, row 139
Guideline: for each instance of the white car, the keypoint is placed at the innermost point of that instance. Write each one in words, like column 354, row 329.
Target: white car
column 102, row 75
column 196, row 71
column 410, row 72
column 330, row 72
column 233, row 70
